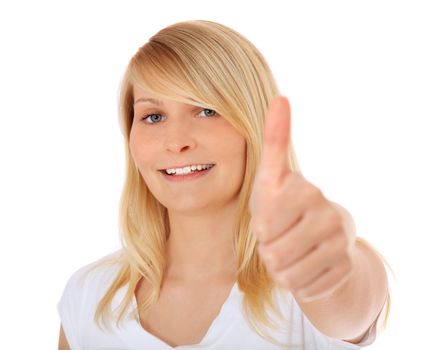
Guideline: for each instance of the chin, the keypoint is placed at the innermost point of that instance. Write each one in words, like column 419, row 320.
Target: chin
column 187, row 205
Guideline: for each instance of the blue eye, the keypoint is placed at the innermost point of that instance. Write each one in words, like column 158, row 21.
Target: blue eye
column 150, row 115
column 157, row 117
column 212, row 110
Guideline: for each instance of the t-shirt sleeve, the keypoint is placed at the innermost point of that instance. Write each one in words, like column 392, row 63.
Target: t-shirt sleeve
column 69, row 309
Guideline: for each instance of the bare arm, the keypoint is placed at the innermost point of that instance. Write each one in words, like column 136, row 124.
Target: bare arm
column 63, row 343
column 348, row 313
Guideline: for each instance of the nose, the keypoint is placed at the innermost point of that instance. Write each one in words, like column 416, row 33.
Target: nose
column 179, row 138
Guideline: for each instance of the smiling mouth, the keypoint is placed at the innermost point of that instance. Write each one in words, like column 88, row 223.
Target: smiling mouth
column 196, row 170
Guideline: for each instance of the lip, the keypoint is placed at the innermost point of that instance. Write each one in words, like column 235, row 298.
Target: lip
column 183, row 166
column 188, row 177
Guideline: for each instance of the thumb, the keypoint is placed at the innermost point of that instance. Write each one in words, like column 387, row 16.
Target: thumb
column 274, row 165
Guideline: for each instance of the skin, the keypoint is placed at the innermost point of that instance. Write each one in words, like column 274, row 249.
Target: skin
column 202, row 211
column 307, row 242
column 63, row 342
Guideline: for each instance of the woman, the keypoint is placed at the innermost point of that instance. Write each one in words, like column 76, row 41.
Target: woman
column 225, row 244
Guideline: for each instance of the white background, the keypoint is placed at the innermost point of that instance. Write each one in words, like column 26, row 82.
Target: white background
column 365, row 81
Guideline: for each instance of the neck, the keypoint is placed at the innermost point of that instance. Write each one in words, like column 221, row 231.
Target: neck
column 200, row 246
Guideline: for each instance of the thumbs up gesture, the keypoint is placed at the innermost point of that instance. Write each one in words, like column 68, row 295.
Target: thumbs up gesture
column 303, row 238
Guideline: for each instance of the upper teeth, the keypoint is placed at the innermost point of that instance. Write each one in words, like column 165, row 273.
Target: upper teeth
column 188, row 169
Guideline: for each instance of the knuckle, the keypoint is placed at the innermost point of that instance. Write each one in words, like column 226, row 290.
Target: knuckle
column 329, row 254
column 348, row 264
column 316, row 194
column 338, row 252
column 329, row 224
column 344, row 268
column 331, row 251
column 333, row 220
column 340, row 243
column 345, row 245
column 311, row 193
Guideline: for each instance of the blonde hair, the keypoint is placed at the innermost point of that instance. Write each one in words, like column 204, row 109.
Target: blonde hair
column 202, row 63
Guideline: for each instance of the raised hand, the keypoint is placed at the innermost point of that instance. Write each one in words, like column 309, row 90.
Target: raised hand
column 303, row 238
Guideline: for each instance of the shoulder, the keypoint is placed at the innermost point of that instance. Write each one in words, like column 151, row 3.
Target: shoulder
column 84, row 288
column 98, row 269
column 92, row 279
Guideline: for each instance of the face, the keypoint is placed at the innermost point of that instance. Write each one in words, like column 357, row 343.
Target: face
column 177, row 135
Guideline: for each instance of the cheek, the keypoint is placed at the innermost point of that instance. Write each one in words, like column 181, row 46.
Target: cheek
column 236, row 152
column 133, row 147
column 138, row 148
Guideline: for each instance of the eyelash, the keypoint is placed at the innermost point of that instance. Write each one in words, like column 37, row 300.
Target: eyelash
column 149, row 115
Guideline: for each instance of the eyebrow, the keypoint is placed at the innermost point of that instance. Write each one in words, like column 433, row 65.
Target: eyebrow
column 148, row 99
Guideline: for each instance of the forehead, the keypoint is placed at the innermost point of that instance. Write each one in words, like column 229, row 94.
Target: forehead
column 141, row 96
column 139, row 92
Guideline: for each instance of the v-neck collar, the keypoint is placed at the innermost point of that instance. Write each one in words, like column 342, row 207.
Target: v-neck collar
column 218, row 326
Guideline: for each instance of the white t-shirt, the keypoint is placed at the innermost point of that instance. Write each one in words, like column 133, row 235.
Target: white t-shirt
column 229, row 330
